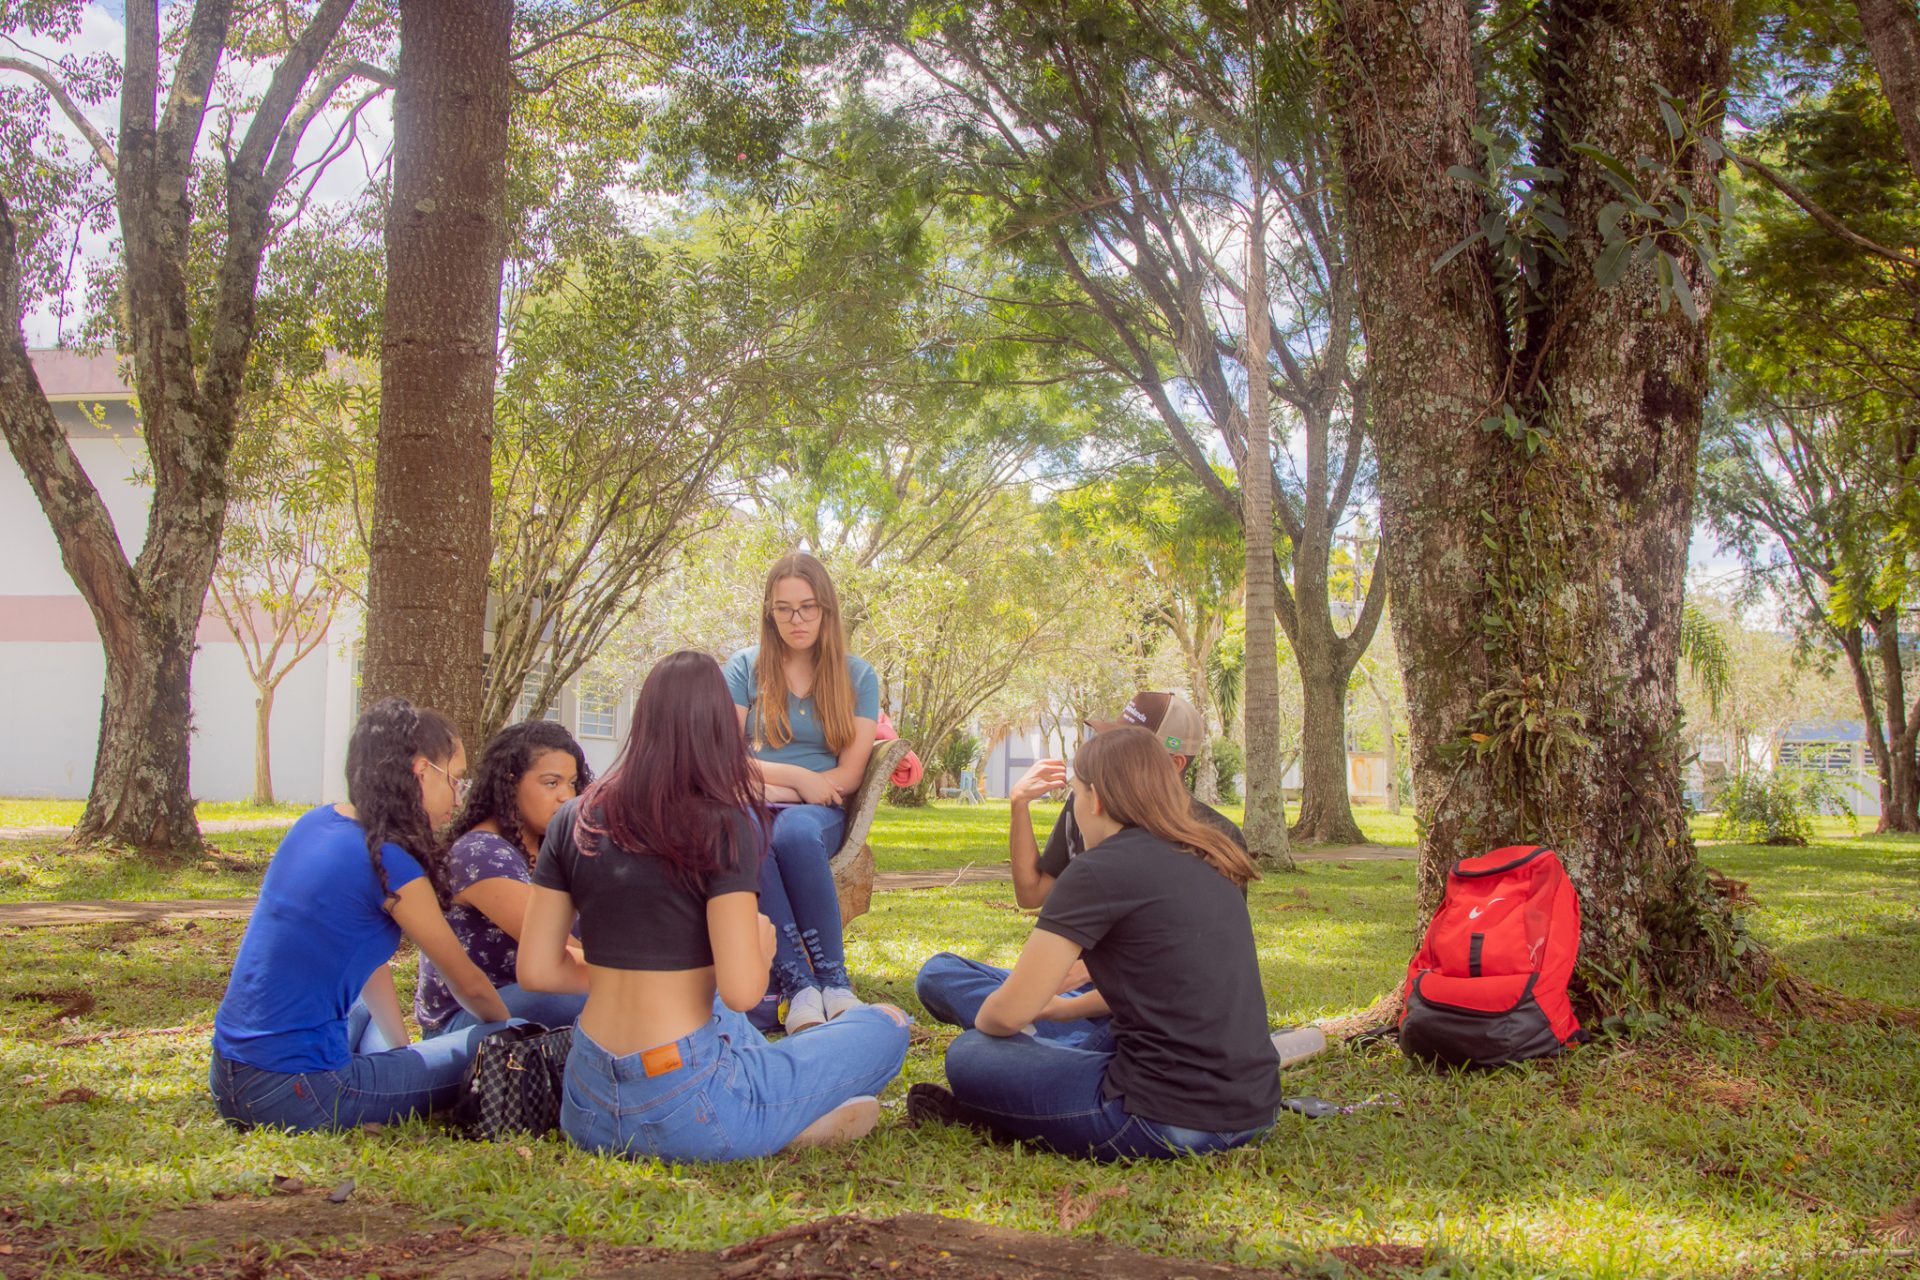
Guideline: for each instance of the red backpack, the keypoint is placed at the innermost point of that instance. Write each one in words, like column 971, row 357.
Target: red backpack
column 1488, row 986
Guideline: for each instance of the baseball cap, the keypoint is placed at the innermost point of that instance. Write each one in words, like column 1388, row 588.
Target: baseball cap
column 1169, row 716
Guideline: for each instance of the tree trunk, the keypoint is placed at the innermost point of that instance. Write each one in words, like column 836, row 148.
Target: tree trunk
column 1326, row 809
column 1892, row 28
column 1898, row 797
column 446, row 240
column 1206, row 779
column 263, row 745
column 1538, row 616
column 1266, row 812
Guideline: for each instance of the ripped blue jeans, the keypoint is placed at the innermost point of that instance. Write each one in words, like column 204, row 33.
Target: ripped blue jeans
column 797, row 893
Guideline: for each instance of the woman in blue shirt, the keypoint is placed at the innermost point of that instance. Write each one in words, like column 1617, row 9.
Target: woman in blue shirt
column 291, row 1040
column 809, row 709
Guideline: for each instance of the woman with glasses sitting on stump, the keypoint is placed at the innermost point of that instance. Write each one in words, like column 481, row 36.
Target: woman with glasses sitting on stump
column 309, row 1034
column 810, row 710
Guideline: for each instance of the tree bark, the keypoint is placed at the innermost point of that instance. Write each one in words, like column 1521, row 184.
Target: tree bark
column 263, row 745
column 431, row 543
column 1266, row 812
column 1206, row 779
column 1899, row 801
column 1326, row 809
column 1892, row 28
column 1538, row 601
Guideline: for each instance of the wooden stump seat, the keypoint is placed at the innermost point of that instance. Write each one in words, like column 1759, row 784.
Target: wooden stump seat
column 853, row 864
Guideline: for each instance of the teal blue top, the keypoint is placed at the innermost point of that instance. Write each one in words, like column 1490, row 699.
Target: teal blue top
column 809, row 747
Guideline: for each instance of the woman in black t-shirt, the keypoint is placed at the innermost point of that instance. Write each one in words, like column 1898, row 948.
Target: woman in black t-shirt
column 1155, row 906
column 661, row 860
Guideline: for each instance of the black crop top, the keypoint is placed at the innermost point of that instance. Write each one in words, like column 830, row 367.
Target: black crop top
column 633, row 913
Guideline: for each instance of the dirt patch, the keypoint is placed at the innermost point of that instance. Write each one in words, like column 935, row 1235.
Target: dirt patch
column 307, row 1238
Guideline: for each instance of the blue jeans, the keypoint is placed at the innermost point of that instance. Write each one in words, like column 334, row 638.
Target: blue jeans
column 732, row 1095
column 378, row 1087
column 552, row 1009
column 1053, row 1093
column 952, row 988
column 797, row 893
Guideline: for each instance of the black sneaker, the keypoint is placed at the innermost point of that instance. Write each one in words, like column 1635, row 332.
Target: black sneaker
column 931, row 1104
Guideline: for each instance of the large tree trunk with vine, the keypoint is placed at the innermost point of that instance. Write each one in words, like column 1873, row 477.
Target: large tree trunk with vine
column 1892, row 29
column 446, row 242
column 188, row 364
column 1538, row 609
column 1892, row 734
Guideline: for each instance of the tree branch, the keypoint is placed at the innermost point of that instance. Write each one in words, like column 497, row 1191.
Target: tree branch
column 102, row 149
column 1826, row 220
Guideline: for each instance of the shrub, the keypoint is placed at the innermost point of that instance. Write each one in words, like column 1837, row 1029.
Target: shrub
column 1228, row 761
column 1776, row 808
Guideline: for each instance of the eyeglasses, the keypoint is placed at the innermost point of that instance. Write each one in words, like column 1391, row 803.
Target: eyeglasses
column 460, row 785
column 796, row 613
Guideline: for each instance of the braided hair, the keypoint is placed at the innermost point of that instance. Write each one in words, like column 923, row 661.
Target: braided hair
column 382, row 787
column 496, row 779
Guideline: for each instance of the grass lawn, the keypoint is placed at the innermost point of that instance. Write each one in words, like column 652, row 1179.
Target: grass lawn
column 18, row 812
column 1699, row 1152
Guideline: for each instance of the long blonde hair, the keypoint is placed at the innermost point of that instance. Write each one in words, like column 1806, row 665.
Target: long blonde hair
column 1135, row 779
column 832, row 688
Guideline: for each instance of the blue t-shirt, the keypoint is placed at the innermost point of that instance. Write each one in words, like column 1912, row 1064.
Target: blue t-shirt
column 809, row 747
column 317, row 934
column 475, row 856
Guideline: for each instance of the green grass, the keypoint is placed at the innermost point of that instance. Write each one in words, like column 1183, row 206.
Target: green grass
column 1703, row 1152
column 24, row 812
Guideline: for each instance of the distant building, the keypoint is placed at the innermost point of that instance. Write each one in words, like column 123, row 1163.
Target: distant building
column 1838, row 749
column 52, row 667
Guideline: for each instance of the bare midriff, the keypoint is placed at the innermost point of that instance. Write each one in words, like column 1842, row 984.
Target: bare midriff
column 630, row 1010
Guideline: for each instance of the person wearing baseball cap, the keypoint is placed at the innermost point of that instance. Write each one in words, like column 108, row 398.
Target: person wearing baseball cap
column 952, row 987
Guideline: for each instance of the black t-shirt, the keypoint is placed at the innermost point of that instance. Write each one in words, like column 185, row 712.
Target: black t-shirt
column 1168, row 942
column 1065, row 843
column 633, row 913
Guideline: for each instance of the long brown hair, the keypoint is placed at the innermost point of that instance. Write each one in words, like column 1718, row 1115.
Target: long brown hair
column 832, row 688
column 1134, row 777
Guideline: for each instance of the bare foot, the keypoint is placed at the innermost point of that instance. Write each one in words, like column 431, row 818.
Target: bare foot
column 850, row 1121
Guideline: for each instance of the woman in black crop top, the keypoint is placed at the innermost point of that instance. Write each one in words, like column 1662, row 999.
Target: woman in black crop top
column 661, row 860
column 1155, row 906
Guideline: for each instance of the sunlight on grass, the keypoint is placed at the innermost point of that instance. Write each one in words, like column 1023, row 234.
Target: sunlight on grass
column 18, row 812
column 1700, row 1153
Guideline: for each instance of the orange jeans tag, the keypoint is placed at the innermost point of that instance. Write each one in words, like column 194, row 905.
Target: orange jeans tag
column 662, row 1060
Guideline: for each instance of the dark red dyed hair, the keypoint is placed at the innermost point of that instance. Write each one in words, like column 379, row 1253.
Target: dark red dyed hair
column 682, row 789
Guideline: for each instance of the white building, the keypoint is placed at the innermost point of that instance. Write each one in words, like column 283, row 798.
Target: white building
column 52, row 666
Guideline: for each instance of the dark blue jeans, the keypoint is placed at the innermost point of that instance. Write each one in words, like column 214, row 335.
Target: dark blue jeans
column 552, row 1009
column 1053, row 1093
column 952, row 989
column 380, row 1087
column 797, row 893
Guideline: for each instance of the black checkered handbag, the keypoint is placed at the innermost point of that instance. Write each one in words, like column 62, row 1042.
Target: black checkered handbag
column 512, row 1087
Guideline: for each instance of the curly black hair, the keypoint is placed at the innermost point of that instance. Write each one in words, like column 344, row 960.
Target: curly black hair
column 496, row 779
column 382, row 787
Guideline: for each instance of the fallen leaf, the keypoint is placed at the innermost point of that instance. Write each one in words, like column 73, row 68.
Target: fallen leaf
column 27, row 1080
column 525, row 1153
column 371, row 1126
column 286, row 1185
column 340, row 1193
column 1900, row 1226
column 1075, row 1210
column 79, row 1093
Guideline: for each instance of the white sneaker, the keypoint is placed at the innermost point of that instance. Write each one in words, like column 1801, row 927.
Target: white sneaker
column 805, row 1009
column 1297, row 1044
column 838, row 1000
column 850, row 1121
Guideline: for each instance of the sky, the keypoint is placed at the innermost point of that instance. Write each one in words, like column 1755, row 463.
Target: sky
column 103, row 30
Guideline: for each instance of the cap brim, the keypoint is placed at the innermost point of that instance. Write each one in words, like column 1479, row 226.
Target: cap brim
column 1101, row 726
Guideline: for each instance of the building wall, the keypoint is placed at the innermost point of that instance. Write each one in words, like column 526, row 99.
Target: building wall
column 52, row 667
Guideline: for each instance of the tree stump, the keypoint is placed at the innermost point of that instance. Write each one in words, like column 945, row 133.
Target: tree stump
column 853, row 865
